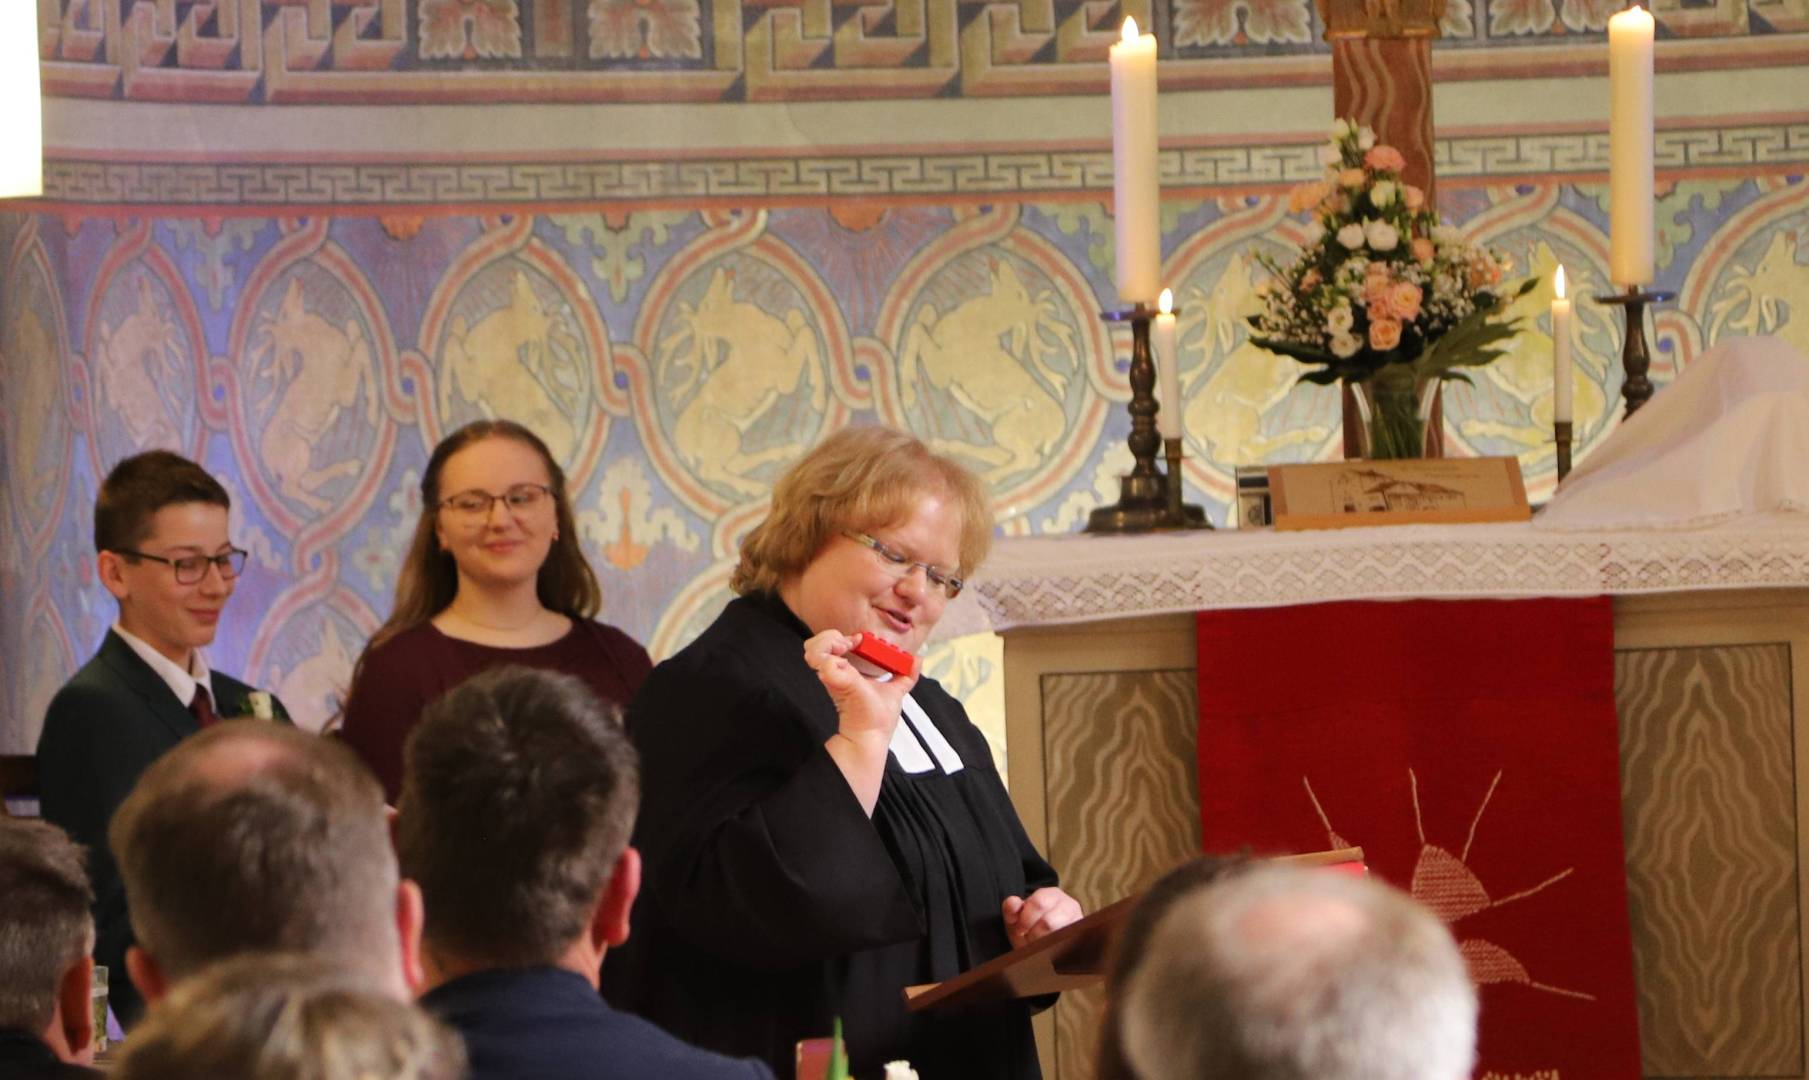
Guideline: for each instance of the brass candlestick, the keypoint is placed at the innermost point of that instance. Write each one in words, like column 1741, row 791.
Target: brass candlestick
column 1636, row 356
column 1147, row 500
column 1561, row 431
column 1180, row 515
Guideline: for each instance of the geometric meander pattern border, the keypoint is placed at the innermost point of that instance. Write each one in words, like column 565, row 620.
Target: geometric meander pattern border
column 882, row 175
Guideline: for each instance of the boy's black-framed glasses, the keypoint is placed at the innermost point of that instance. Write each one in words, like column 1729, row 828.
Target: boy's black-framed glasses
column 190, row 569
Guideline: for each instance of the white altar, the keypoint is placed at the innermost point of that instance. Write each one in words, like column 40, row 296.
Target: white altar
column 1711, row 638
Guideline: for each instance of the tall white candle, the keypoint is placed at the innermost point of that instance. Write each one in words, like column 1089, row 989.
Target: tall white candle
column 1168, row 372
column 22, row 120
column 1560, row 353
column 1135, row 193
column 1630, row 216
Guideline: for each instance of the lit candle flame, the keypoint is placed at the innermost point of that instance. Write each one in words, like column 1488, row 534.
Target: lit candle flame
column 1130, row 29
column 1166, row 302
column 1560, row 282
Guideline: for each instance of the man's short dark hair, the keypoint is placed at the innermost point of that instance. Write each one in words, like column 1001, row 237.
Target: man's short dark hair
column 140, row 486
column 254, row 836
column 45, row 928
column 519, row 793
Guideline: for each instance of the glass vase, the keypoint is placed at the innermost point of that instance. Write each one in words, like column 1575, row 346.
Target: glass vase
column 1395, row 405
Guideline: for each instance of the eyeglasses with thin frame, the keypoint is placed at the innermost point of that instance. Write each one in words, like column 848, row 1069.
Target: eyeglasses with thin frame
column 903, row 564
column 520, row 500
column 190, row 569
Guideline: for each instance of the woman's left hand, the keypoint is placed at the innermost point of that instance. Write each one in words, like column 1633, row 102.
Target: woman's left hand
column 1043, row 912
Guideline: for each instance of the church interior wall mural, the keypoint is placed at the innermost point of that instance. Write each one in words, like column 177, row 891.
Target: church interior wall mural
column 679, row 321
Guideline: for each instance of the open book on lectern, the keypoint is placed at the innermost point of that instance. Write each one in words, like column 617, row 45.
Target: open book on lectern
column 1068, row 959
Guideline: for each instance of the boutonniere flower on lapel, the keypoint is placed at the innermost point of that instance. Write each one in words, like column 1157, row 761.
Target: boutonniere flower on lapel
column 258, row 704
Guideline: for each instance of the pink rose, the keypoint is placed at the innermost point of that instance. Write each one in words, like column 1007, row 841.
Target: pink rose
column 1384, row 334
column 1379, row 303
column 1404, row 300
column 1385, row 158
column 1351, row 178
column 1306, row 196
column 1423, row 250
column 1411, row 197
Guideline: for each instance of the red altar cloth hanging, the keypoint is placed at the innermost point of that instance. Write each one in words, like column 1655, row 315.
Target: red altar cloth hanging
column 1470, row 749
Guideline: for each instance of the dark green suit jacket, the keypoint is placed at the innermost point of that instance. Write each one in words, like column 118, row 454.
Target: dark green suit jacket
column 107, row 723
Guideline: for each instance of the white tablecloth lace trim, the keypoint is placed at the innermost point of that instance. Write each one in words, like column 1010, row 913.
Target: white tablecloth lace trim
column 1046, row 580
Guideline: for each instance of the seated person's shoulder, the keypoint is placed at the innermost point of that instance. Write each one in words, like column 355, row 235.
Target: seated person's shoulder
column 651, row 1051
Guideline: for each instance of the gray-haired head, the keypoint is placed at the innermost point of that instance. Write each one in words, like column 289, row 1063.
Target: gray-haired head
column 1285, row 973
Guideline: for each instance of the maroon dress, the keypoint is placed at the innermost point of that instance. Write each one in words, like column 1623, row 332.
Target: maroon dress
column 411, row 670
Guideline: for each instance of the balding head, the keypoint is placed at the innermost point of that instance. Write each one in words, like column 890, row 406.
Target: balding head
column 1284, row 973
column 45, row 937
column 254, row 836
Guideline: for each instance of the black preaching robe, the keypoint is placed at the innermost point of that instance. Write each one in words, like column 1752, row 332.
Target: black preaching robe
column 771, row 904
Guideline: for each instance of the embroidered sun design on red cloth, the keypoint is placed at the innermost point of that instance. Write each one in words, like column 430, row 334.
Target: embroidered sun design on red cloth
column 1446, row 885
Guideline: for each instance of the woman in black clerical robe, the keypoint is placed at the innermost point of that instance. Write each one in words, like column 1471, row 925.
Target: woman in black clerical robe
column 817, row 837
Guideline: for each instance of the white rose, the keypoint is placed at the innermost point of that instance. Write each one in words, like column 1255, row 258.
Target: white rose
column 1340, row 129
column 1366, row 139
column 1315, row 232
column 1381, row 235
column 1345, row 346
column 1351, row 236
column 1382, row 194
column 1328, row 155
column 900, row 1070
column 1338, row 320
column 259, row 700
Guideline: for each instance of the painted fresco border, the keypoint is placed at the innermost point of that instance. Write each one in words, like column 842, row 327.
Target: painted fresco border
column 809, row 179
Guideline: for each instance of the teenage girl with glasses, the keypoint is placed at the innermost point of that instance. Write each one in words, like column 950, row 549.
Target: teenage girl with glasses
column 493, row 576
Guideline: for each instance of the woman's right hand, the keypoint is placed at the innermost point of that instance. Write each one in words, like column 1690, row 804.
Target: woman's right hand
column 868, row 709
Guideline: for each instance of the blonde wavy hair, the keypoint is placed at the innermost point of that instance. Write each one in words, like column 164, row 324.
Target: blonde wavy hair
column 278, row 1016
column 860, row 478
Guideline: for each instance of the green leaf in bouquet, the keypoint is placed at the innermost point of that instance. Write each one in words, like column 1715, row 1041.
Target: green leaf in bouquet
column 1306, row 354
column 1473, row 340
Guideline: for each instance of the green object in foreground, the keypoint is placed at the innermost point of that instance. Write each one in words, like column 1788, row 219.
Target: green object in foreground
column 838, row 1055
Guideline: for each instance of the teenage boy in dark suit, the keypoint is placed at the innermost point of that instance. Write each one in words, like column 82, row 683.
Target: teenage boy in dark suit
column 160, row 530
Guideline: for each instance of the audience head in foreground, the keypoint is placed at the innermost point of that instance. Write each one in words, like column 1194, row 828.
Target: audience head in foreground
column 519, row 793
column 46, row 1022
column 256, row 837
column 1286, row 973
column 287, row 1017
column 1132, row 942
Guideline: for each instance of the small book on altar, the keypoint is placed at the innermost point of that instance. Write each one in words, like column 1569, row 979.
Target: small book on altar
column 1070, row 958
column 1345, row 494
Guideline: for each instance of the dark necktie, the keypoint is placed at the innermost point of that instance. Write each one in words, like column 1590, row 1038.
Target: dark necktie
column 202, row 707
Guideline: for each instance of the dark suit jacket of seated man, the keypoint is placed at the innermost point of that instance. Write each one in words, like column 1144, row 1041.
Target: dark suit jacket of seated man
column 518, row 794
column 156, row 516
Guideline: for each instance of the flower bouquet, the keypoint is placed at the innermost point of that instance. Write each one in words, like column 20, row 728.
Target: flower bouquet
column 1382, row 296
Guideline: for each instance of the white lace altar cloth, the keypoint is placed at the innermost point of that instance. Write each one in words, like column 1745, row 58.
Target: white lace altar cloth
column 1045, row 580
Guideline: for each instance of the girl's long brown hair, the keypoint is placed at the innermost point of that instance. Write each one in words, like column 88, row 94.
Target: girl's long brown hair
column 429, row 578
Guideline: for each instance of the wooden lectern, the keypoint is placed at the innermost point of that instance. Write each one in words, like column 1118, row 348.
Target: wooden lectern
column 1071, row 958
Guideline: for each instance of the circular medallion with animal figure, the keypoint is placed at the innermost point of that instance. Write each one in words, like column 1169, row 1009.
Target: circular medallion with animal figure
column 992, row 331
column 32, row 398
column 738, row 375
column 311, row 388
column 515, row 343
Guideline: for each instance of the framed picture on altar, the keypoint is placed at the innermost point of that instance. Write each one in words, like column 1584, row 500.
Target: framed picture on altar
column 1346, row 494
